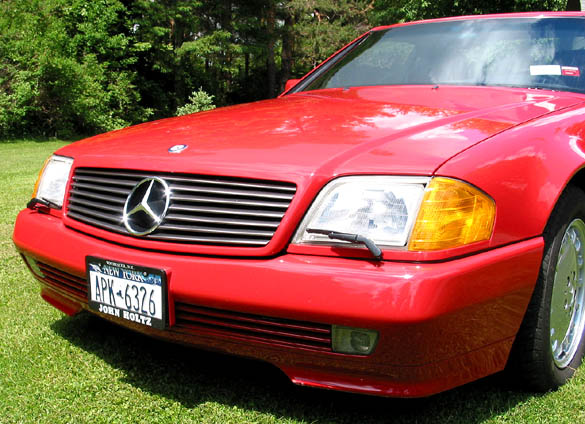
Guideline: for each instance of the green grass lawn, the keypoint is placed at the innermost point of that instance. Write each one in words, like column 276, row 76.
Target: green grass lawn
column 56, row 369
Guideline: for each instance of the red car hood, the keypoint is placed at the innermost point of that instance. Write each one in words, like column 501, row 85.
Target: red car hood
column 396, row 130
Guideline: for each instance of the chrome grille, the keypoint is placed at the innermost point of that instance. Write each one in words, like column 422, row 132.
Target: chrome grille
column 203, row 209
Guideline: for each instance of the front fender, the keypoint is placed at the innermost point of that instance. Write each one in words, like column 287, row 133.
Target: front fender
column 526, row 170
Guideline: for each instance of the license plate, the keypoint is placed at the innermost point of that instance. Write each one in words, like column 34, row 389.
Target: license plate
column 131, row 292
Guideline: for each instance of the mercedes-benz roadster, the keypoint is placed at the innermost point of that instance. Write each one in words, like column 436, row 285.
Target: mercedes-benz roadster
column 406, row 218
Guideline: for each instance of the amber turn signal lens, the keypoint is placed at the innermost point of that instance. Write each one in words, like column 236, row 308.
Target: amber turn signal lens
column 36, row 188
column 452, row 214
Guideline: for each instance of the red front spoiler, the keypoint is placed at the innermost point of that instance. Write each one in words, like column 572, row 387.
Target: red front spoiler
column 440, row 324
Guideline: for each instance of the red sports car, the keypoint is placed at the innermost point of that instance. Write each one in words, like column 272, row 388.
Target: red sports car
column 408, row 217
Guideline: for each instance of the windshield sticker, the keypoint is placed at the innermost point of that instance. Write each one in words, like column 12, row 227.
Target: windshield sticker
column 570, row 71
column 545, row 70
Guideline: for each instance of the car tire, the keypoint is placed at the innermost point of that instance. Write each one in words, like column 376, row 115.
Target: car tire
column 550, row 343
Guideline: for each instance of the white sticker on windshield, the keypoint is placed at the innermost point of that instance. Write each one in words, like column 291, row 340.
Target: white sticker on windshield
column 545, row 70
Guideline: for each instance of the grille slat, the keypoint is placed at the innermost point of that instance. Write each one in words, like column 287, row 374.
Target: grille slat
column 96, row 205
column 236, row 193
column 95, row 214
column 99, row 188
column 224, row 211
column 236, row 327
column 223, row 221
column 230, row 202
column 75, row 194
column 188, row 309
column 303, row 334
column 63, row 282
column 211, row 230
column 205, row 210
column 264, row 186
column 95, row 222
column 107, row 182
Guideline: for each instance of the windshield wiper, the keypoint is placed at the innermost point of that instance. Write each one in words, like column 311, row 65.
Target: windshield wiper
column 353, row 238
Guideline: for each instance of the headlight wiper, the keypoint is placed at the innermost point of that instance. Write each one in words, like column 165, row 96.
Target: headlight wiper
column 353, row 238
column 34, row 202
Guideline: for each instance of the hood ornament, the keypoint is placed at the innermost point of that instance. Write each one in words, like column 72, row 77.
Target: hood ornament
column 178, row 148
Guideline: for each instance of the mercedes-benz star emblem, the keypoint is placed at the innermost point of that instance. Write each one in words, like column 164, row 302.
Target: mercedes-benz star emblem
column 178, row 148
column 146, row 206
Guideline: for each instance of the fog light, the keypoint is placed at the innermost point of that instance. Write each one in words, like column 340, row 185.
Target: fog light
column 356, row 341
column 33, row 266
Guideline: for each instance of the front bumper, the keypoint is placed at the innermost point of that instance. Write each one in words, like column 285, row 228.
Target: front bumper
column 440, row 324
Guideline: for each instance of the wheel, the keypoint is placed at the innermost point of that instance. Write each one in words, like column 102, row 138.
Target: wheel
column 550, row 344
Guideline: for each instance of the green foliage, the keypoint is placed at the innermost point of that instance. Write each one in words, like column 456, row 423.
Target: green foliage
column 324, row 26
column 159, row 28
column 386, row 12
column 64, row 68
column 81, row 67
column 199, row 101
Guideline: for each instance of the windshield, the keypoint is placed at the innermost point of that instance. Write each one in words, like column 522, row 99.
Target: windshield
column 546, row 53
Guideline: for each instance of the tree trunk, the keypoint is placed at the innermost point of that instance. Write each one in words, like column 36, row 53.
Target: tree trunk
column 287, row 50
column 226, row 23
column 573, row 5
column 271, row 30
column 246, row 65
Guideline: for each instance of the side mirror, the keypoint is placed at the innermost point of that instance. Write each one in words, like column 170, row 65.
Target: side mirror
column 290, row 84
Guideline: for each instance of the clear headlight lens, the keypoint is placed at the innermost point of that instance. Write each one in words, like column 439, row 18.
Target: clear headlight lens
column 419, row 213
column 53, row 180
column 380, row 208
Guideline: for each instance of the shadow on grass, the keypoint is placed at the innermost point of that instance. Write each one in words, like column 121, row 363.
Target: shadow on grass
column 192, row 377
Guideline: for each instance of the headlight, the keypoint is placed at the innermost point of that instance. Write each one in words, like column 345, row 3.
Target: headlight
column 53, row 179
column 380, row 208
column 420, row 213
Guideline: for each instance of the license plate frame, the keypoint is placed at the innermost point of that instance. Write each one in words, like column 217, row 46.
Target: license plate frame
column 127, row 291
